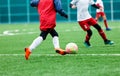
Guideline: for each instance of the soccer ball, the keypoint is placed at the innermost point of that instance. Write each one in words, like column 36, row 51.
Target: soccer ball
column 71, row 48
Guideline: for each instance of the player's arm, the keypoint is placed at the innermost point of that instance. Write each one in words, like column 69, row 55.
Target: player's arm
column 34, row 3
column 100, row 7
column 97, row 6
column 58, row 8
column 73, row 4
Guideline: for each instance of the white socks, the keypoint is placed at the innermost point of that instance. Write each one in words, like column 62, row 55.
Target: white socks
column 39, row 40
column 35, row 43
column 56, row 42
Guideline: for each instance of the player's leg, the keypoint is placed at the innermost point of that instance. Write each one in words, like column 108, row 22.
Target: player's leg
column 99, row 29
column 86, row 27
column 97, row 16
column 105, row 22
column 55, row 37
column 101, row 32
column 103, row 35
column 56, row 44
column 38, row 40
column 35, row 43
column 87, row 38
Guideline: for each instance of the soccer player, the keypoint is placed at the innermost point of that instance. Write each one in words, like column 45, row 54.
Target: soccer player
column 47, row 10
column 101, row 13
column 85, row 20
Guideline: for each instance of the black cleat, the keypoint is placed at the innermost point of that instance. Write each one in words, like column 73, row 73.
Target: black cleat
column 108, row 42
column 87, row 44
column 108, row 29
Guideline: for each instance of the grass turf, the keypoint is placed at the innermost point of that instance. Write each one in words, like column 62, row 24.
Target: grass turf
column 15, row 37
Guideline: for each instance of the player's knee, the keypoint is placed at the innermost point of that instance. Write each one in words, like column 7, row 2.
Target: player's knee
column 53, row 33
column 89, row 32
column 97, row 27
column 43, row 35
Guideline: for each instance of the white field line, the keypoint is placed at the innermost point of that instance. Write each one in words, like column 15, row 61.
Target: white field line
column 61, row 55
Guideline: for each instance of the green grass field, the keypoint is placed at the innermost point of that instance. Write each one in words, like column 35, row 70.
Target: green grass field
column 99, row 60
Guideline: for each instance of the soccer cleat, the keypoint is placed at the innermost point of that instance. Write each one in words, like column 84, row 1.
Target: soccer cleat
column 87, row 44
column 108, row 29
column 108, row 42
column 60, row 51
column 27, row 53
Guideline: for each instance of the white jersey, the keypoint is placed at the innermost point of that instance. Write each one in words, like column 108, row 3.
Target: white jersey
column 82, row 9
column 100, row 2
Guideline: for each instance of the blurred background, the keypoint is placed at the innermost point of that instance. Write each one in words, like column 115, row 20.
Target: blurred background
column 17, row 11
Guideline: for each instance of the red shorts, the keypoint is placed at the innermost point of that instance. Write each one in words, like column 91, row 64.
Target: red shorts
column 85, row 25
column 99, row 14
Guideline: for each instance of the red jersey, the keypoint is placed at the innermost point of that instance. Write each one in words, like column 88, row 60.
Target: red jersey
column 47, row 14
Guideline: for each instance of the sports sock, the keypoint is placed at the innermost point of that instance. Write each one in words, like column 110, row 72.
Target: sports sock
column 87, row 38
column 102, row 34
column 56, row 42
column 105, row 23
column 35, row 43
